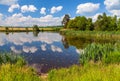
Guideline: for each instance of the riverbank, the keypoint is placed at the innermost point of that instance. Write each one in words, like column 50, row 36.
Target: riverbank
column 105, row 62
column 89, row 34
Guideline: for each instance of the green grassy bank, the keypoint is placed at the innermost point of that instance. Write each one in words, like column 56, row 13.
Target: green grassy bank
column 99, row 62
column 96, row 34
column 14, row 68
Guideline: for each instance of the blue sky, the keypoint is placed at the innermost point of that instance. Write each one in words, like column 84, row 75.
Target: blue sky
column 51, row 12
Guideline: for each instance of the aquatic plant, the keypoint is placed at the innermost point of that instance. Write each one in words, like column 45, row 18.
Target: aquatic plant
column 105, row 53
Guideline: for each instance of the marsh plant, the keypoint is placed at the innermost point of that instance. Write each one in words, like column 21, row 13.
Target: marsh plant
column 14, row 68
column 105, row 53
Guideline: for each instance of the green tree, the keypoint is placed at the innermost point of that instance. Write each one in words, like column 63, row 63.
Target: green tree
column 89, row 25
column 36, row 28
column 66, row 20
column 72, row 24
column 81, row 22
column 106, row 23
column 118, row 24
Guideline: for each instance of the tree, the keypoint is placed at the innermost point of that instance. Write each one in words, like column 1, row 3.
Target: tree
column 81, row 22
column 66, row 20
column 35, row 28
column 72, row 24
column 106, row 23
column 118, row 24
column 89, row 25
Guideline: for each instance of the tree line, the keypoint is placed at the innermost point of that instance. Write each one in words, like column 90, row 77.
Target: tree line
column 103, row 23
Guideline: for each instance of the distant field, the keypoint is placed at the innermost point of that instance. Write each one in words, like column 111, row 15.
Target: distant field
column 15, row 29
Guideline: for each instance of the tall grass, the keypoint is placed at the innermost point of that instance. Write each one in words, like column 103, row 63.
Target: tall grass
column 14, row 68
column 10, row 58
column 97, row 34
column 13, row 72
column 92, row 72
column 105, row 53
column 99, row 62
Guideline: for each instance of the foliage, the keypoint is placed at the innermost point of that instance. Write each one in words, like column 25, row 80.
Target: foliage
column 118, row 24
column 13, row 68
column 91, row 72
column 13, row 72
column 103, row 23
column 105, row 53
column 11, row 58
column 35, row 28
column 65, row 20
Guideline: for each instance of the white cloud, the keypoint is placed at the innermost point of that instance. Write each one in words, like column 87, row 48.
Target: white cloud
column 113, row 6
column 15, row 50
column 1, row 19
column 115, row 12
column 2, row 42
column 56, row 49
column 94, row 17
column 87, row 8
column 8, row 2
column 47, row 20
column 43, row 10
column 43, row 47
column 1, row 16
column 29, row 49
column 56, row 9
column 28, row 8
column 12, row 7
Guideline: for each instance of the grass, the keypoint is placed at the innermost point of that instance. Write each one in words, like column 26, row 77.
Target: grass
column 105, row 53
column 91, row 72
column 89, row 34
column 99, row 62
column 14, row 68
column 14, row 72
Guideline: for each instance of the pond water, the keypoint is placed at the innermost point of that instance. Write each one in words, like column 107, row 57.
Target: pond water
column 47, row 50
column 43, row 50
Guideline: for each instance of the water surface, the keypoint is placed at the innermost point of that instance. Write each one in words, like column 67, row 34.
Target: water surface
column 43, row 51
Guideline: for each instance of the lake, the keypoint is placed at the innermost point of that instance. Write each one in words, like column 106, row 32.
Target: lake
column 43, row 50
column 47, row 50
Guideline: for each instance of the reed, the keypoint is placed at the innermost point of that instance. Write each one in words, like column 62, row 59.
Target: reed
column 106, row 53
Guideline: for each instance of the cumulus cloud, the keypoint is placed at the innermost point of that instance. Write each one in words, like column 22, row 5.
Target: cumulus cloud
column 27, row 49
column 94, row 17
column 56, row 9
column 113, row 6
column 47, row 20
column 12, row 7
column 28, row 8
column 1, row 15
column 1, row 19
column 87, row 8
column 56, row 49
column 2, row 42
column 43, row 47
column 15, row 50
column 43, row 10
column 8, row 2
column 115, row 12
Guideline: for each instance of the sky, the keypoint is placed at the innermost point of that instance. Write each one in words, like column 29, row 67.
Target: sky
column 51, row 12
